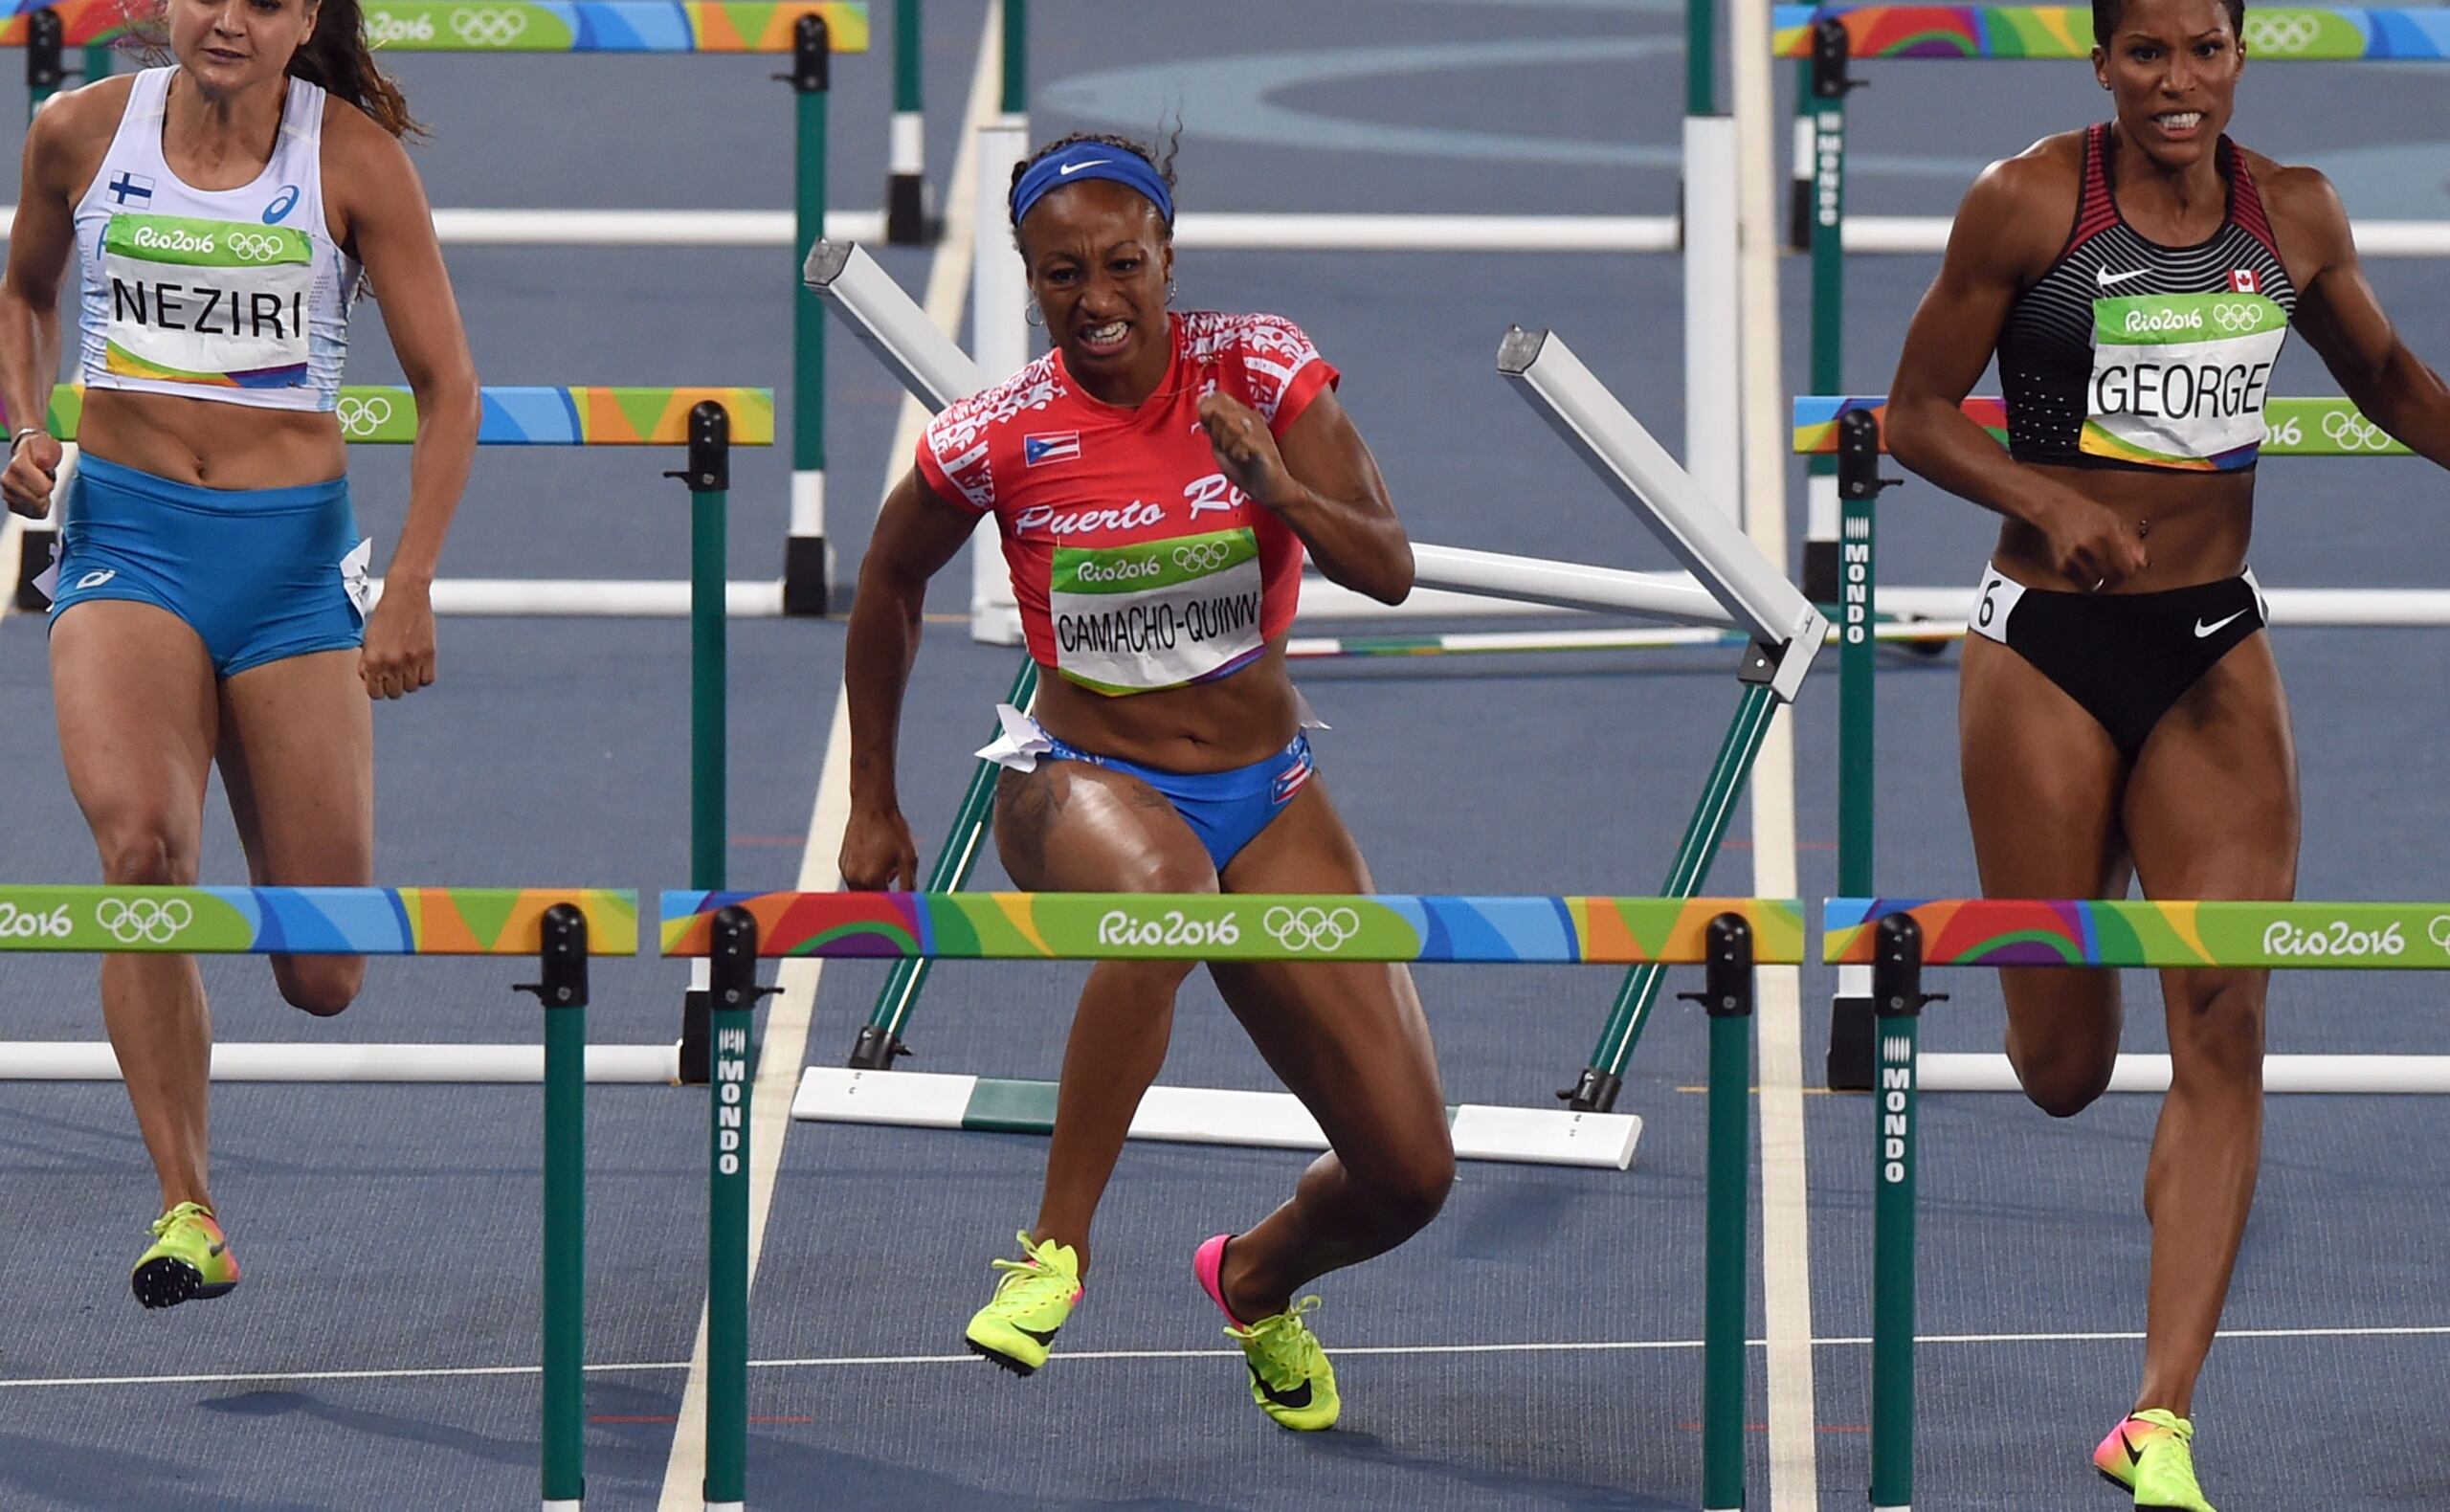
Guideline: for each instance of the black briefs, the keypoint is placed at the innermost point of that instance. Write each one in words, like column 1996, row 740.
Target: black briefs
column 2125, row 658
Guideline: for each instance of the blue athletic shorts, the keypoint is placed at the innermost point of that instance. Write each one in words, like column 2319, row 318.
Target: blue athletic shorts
column 1227, row 810
column 261, row 574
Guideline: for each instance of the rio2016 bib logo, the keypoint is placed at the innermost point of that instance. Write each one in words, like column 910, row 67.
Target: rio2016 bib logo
column 2335, row 940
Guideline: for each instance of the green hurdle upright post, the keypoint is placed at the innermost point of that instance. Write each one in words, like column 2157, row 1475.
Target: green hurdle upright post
column 808, row 563
column 905, row 189
column 1897, row 989
column 880, row 1039
column 1016, row 57
column 733, row 974
column 1727, row 998
column 563, row 990
column 708, row 478
column 1596, row 1089
column 1849, row 1064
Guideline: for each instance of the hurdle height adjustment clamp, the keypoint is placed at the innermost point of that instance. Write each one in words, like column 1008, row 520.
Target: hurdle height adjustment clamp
column 1826, row 80
column 46, row 60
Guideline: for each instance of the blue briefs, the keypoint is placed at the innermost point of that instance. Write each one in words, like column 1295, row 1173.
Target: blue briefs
column 260, row 574
column 1227, row 810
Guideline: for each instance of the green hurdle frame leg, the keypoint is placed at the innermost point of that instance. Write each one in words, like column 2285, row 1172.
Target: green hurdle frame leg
column 1897, row 987
column 1016, row 57
column 708, row 479
column 1596, row 1089
column 880, row 1039
column 1850, row 1061
column 905, row 187
column 563, row 989
column 807, row 560
column 1728, row 997
column 733, row 974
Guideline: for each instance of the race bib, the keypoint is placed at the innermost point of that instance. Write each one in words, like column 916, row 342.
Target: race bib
column 2179, row 379
column 1159, row 614
column 211, row 303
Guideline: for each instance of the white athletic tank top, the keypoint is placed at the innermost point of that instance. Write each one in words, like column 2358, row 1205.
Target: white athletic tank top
column 238, row 296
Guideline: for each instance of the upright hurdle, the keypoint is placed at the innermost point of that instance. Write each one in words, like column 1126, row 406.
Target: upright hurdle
column 1895, row 938
column 560, row 926
column 1851, row 430
column 709, row 422
column 810, row 31
column 1726, row 582
column 1727, row 937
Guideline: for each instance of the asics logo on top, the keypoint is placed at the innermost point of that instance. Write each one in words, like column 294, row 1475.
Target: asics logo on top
column 485, row 27
column 1310, row 928
column 278, row 210
column 2203, row 631
column 363, row 417
column 133, row 919
column 1206, row 557
column 2104, row 278
column 255, row 248
column 1295, row 1399
column 2353, row 432
column 1070, row 168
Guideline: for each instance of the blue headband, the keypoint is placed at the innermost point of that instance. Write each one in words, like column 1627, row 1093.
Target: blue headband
column 1090, row 160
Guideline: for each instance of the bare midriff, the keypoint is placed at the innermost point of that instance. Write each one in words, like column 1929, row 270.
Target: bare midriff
column 1207, row 726
column 2196, row 527
column 211, row 444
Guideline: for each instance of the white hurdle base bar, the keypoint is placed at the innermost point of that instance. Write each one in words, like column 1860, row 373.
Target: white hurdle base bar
column 1197, row 1116
column 584, row 598
column 1942, row 1072
column 84, row 1060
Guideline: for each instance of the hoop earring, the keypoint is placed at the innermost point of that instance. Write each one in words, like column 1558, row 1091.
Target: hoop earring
column 1034, row 315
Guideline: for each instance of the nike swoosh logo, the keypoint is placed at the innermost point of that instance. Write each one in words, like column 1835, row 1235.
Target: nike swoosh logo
column 2134, row 1456
column 215, row 1250
column 2203, row 630
column 1070, row 168
column 2104, row 278
column 1293, row 1400
column 1048, row 1337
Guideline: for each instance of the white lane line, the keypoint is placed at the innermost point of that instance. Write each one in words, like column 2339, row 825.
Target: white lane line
column 1786, row 1230
column 1093, row 1356
column 785, row 1044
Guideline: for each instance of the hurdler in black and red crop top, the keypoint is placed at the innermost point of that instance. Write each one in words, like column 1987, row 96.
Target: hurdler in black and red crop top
column 2128, row 353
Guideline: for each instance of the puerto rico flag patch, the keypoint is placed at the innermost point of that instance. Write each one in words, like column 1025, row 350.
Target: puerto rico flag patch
column 1051, row 446
column 1293, row 779
column 2243, row 281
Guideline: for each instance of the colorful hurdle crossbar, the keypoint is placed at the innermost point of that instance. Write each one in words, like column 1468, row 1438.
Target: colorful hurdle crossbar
column 1894, row 938
column 561, row 927
column 1851, row 430
column 1729, row 937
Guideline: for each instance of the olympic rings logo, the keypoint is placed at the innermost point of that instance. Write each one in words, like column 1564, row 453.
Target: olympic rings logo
column 2353, row 432
column 2239, row 318
column 1204, row 557
column 142, row 919
column 2439, row 930
column 364, row 417
column 2281, row 31
column 1311, row 928
column 254, row 247
column 485, row 27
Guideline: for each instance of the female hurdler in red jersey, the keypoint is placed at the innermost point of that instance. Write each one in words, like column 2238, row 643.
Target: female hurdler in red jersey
column 1156, row 479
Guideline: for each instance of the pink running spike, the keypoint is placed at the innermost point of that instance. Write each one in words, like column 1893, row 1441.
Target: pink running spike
column 1208, row 1265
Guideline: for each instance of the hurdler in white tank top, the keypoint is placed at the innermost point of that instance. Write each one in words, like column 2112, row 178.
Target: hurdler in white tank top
column 238, row 296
